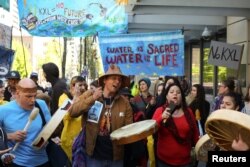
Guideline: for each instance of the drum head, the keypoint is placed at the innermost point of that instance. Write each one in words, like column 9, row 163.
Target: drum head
column 133, row 132
column 223, row 126
column 202, row 147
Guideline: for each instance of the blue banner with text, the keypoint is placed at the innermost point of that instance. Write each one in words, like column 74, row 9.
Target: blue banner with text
column 160, row 53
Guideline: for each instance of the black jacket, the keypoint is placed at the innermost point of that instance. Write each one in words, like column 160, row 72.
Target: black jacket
column 58, row 85
column 58, row 88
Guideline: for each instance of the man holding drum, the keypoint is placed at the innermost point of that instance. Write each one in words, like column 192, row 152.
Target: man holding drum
column 113, row 113
column 13, row 118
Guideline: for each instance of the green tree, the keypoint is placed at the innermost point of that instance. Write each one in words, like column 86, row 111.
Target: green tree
column 53, row 53
column 208, row 69
column 93, row 60
column 22, row 58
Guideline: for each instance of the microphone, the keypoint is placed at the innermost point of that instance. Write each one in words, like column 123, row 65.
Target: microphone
column 172, row 108
column 32, row 116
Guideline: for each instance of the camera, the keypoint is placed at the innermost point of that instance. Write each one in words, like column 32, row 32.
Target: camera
column 206, row 34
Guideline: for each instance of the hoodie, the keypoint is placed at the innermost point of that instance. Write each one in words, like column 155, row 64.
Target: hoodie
column 58, row 85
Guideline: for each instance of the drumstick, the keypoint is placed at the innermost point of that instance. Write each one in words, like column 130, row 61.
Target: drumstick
column 32, row 116
column 198, row 118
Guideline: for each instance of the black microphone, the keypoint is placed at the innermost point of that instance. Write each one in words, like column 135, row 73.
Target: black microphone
column 172, row 108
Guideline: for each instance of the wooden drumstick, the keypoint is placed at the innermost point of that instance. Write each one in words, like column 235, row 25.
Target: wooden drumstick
column 198, row 118
column 32, row 116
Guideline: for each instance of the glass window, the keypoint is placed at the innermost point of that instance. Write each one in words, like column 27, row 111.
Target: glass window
column 208, row 73
column 195, row 66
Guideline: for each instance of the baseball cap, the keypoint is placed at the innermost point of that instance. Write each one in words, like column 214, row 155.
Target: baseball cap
column 13, row 75
column 34, row 74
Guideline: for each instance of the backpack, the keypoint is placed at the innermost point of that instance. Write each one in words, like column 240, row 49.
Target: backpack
column 79, row 155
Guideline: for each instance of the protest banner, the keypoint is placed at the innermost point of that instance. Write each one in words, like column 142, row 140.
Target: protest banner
column 6, row 60
column 72, row 19
column 160, row 53
column 224, row 54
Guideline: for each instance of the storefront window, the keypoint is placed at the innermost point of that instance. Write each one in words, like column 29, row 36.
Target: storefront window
column 196, row 66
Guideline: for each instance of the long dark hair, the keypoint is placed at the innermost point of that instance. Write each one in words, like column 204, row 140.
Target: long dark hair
column 165, row 92
column 236, row 98
column 200, row 103
column 247, row 98
column 170, row 124
column 200, row 92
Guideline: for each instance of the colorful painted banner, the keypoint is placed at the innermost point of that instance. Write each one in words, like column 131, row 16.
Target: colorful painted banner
column 5, row 4
column 145, row 54
column 6, row 60
column 69, row 18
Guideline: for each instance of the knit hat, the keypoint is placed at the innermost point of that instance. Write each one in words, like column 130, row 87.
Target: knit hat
column 115, row 70
column 146, row 80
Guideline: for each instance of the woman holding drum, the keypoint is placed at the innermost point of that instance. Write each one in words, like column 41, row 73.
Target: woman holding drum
column 233, row 101
column 177, row 131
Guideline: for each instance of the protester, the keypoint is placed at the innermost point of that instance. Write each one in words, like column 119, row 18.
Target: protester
column 232, row 101
column 246, row 108
column 224, row 87
column 2, row 88
column 13, row 77
column 185, row 85
column 169, row 80
column 115, row 113
column 94, row 85
column 71, row 126
column 177, row 132
column 13, row 118
column 200, row 106
column 34, row 77
column 145, row 104
column 51, row 73
column 159, row 89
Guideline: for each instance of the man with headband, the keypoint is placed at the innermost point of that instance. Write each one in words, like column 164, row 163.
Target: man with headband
column 13, row 118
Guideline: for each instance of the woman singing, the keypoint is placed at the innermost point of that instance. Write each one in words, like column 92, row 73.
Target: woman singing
column 177, row 131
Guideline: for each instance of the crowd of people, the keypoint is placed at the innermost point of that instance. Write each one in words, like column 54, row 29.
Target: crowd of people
column 180, row 111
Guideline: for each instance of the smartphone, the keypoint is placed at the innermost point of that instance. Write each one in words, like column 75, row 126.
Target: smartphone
column 172, row 107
